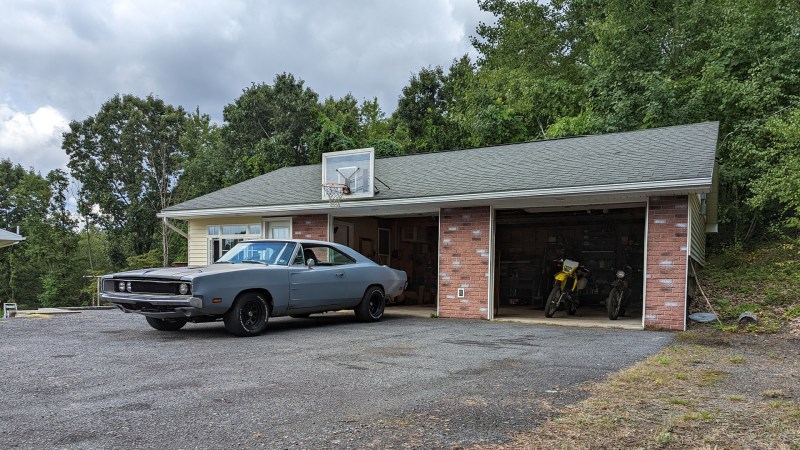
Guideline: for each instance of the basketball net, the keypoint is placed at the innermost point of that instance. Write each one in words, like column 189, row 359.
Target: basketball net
column 335, row 191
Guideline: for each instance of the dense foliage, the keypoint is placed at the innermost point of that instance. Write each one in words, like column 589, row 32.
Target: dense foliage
column 544, row 70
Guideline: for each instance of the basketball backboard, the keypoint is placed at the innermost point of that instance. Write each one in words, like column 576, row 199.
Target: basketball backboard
column 354, row 168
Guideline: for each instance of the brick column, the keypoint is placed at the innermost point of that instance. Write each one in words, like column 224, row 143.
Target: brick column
column 464, row 239
column 314, row 226
column 667, row 263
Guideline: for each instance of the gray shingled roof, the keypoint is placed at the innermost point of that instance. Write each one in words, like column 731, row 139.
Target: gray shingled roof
column 675, row 153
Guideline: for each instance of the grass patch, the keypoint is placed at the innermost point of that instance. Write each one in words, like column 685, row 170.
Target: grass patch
column 679, row 401
column 689, row 395
column 762, row 279
column 773, row 393
column 712, row 377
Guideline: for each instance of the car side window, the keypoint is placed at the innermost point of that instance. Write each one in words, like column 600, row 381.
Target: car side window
column 299, row 259
column 323, row 256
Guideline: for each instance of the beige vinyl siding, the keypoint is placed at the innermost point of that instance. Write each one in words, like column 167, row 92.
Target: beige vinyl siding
column 198, row 235
column 697, row 233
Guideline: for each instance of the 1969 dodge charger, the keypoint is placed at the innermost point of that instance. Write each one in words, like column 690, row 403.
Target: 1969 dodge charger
column 255, row 280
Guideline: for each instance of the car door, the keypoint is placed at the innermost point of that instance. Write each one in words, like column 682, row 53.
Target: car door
column 321, row 286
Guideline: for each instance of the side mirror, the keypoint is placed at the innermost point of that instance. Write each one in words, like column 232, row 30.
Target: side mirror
column 310, row 262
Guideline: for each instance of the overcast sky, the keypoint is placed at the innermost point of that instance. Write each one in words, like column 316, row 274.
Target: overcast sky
column 60, row 61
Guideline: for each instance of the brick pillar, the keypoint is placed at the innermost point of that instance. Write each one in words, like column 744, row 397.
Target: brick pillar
column 314, row 226
column 464, row 238
column 667, row 263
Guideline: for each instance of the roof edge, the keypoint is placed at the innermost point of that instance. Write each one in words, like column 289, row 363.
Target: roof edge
column 697, row 185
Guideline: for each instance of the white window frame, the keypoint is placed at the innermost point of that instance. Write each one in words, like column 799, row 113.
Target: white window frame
column 267, row 222
column 211, row 237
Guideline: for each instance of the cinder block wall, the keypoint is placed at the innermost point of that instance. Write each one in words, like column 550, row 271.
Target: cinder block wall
column 313, row 226
column 667, row 263
column 464, row 238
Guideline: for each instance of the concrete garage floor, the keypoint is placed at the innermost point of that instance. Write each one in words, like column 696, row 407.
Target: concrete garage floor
column 587, row 316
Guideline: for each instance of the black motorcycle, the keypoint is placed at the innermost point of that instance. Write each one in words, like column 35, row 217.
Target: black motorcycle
column 620, row 291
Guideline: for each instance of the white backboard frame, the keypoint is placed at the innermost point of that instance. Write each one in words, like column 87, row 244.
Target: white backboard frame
column 362, row 182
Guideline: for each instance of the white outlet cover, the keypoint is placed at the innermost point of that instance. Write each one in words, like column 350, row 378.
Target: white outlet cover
column 460, row 293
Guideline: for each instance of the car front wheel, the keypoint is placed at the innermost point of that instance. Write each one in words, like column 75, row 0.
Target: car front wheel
column 372, row 305
column 166, row 324
column 248, row 316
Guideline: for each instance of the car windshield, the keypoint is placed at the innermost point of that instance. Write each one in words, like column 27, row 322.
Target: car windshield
column 273, row 253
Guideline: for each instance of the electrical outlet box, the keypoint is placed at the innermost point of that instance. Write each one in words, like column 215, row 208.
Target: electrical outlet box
column 460, row 293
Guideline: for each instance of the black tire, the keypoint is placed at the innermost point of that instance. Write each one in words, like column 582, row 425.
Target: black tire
column 614, row 303
column 300, row 316
column 552, row 302
column 166, row 324
column 573, row 307
column 372, row 305
column 248, row 316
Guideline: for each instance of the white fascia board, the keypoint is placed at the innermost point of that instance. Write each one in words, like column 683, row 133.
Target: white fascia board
column 667, row 187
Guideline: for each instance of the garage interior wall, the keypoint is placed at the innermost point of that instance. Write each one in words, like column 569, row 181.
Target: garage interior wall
column 408, row 243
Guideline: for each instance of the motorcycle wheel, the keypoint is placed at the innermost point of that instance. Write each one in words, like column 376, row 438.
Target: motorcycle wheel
column 573, row 308
column 552, row 302
column 614, row 303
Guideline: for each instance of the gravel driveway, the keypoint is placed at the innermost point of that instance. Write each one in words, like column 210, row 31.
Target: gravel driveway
column 104, row 379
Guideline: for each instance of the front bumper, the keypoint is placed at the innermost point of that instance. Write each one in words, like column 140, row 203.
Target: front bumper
column 157, row 306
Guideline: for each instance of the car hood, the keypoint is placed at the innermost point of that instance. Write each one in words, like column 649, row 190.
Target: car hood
column 188, row 273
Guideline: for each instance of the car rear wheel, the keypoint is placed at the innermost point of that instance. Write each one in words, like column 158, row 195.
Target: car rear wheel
column 248, row 316
column 372, row 305
column 166, row 324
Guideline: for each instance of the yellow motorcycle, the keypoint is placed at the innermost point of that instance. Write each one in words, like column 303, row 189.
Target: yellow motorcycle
column 567, row 288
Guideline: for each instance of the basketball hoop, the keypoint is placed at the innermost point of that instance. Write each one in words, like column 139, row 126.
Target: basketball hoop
column 335, row 192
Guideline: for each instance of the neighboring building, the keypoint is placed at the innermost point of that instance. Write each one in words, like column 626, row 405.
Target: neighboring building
column 8, row 238
column 478, row 229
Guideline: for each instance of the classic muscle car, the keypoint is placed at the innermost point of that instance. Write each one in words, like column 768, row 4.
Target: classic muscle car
column 255, row 280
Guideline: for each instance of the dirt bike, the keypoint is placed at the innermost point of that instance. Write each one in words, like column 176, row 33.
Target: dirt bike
column 567, row 288
column 620, row 290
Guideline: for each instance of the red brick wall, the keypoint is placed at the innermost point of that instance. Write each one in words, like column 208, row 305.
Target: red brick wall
column 667, row 259
column 464, row 238
column 314, row 226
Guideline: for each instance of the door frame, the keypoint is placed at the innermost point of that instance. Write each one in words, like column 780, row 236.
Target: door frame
column 267, row 222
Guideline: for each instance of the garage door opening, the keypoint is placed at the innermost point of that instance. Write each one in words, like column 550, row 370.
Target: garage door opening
column 530, row 246
column 407, row 243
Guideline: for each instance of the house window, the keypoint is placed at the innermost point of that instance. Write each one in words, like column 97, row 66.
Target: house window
column 222, row 238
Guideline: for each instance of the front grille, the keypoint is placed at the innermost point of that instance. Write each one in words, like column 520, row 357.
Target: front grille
column 147, row 286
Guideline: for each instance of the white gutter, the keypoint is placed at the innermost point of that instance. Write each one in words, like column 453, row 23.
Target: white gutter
column 661, row 187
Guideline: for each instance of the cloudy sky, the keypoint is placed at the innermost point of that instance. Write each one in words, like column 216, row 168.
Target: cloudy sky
column 60, row 61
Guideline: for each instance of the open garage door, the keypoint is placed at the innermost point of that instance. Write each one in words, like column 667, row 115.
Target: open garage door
column 530, row 245
column 406, row 242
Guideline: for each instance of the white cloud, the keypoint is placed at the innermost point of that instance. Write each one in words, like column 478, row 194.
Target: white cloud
column 74, row 56
column 33, row 140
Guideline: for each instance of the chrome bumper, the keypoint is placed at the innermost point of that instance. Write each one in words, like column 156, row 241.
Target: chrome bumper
column 156, row 300
column 158, row 306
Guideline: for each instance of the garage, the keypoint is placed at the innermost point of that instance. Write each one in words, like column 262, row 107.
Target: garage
column 407, row 242
column 530, row 245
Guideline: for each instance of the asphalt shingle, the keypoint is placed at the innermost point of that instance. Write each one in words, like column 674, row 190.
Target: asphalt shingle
column 660, row 154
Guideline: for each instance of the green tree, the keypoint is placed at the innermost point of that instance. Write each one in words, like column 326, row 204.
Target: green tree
column 128, row 159
column 39, row 271
column 269, row 127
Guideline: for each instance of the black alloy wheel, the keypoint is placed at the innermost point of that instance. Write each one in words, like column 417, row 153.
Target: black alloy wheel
column 248, row 316
column 372, row 305
column 166, row 324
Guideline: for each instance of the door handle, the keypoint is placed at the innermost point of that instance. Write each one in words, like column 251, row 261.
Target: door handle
column 340, row 274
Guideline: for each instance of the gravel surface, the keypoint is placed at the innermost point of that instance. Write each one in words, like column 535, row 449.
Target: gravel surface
column 104, row 379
